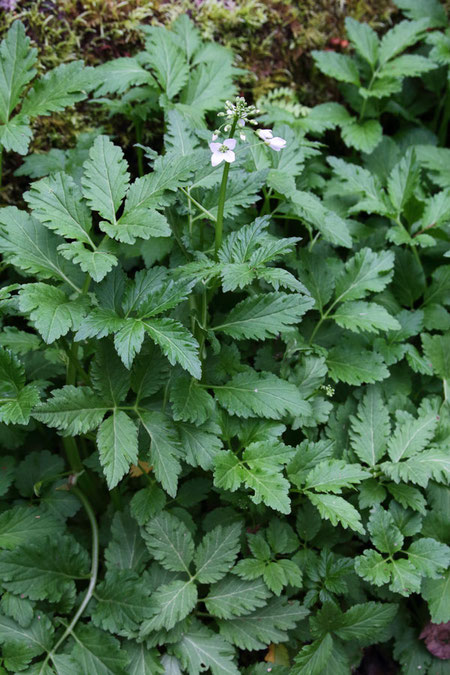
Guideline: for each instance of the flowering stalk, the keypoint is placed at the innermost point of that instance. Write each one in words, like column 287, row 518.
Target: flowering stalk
column 222, row 195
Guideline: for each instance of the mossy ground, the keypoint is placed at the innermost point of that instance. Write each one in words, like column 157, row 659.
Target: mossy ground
column 271, row 39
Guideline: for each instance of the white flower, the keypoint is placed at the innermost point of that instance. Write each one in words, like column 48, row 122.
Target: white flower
column 215, row 137
column 241, row 123
column 242, row 136
column 274, row 142
column 223, row 151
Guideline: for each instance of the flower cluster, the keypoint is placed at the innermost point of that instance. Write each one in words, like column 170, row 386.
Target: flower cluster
column 238, row 113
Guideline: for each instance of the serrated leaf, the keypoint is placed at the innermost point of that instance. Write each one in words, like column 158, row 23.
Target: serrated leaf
column 362, row 135
column 176, row 343
column 95, row 263
column 235, row 597
column 403, row 35
column 74, row 410
column 370, row 428
column 372, row 567
column 16, row 135
column 201, row 648
column 364, row 316
column 105, row 178
column 98, row 652
column 429, row 557
column 437, row 350
column 217, row 553
column 16, row 398
column 403, row 181
column 114, row 77
column 167, row 61
column 51, row 310
column 364, row 39
column 332, row 475
column 126, row 549
column 36, row 639
column 128, row 338
column 437, row 594
column 170, row 542
column 29, row 246
column 122, row 603
column 411, row 436
column 365, row 271
column 385, row 535
column 337, row 510
column 263, row 316
column 263, row 626
column 27, row 572
column 17, row 61
column 355, row 366
column 190, row 402
column 170, row 603
column 420, row 468
column 23, row 524
column 164, row 449
column 117, row 441
column 60, row 87
column 339, row 66
column 366, row 623
column 253, row 394
column 312, row 658
column 142, row 661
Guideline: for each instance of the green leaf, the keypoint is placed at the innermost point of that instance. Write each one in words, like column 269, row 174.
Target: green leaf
column 337, row 511
column 372, row 567
column 26, row 571
column 419, row 469
column 251, row 394
column 201, row 648
column 170, row 542
column 339, row 66
column 364, row 316
column 332, row 227
column 437, row 350
column 364, row 39
column 366, row 623
column 147, row 502
column 19, row 609
column 16, row 134
column 105, row 178
column 25, row 643
column 16, row 399
column 63, row 86
column 403, row 181
column 75, row 410
column 312, row 658
column 429, row 557
column 122, row 603
column 265, row 625
column 403, row 35
column 17, row 60
column 332, row 475
column 167, row 61
column 263, row 316
column 385, row 535
column 411, row 435
column 370, row 428
column 170, row 603
column 235, row 597
column 347, row 363
column 190, row 402
column 58, row 203
column 408, row 497
column 186, row 35
column 176, row 343
column 164, row 449
column 117, row 441
column 25, row 524
column 260, row 469
column 217, row 552
column 108, row 375
column 365, row 271
column 126, row 549
column 362, row 135
column 30, row 247
column 51, row 310
column 437, row 594
column 97, row 652
column 114, row 77
column 143, row 661
column 407, row 65
column 128, row 339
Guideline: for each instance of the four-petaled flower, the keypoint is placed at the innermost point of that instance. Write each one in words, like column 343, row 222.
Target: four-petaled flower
column 223, row 151
column 274, row 142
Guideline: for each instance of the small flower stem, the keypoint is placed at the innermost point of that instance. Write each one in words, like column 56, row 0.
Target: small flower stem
column 93, row 576
column 222, row 195
column 138, row 124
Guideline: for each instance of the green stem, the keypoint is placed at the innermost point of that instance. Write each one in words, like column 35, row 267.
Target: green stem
column 139, row 152
column 222, row 195
column 198, row 205
column 92, row 581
